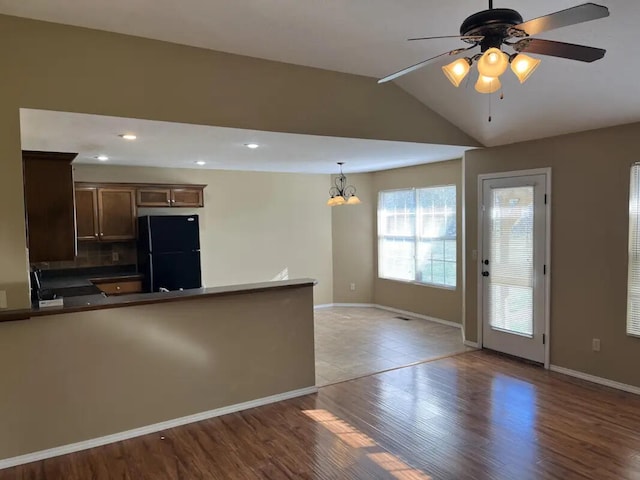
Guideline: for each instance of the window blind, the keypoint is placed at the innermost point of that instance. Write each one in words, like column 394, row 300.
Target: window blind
column 633, row 284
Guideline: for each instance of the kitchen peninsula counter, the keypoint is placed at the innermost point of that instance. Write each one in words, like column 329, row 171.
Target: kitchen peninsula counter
column 100, row 302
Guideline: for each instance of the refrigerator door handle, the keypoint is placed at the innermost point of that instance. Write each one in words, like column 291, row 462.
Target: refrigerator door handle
column 151, row 273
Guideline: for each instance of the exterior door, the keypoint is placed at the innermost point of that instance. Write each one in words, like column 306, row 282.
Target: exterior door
column 514, row 223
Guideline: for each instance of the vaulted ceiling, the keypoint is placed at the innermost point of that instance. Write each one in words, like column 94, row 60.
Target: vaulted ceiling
column 368, row 37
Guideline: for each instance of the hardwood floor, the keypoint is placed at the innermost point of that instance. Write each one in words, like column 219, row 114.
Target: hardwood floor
column 472, row 416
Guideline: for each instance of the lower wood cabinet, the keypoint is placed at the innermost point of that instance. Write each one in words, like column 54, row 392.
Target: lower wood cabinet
column 115, row 287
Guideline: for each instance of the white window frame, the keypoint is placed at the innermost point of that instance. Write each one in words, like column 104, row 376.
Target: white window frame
column 633, row 250
column 416, row 238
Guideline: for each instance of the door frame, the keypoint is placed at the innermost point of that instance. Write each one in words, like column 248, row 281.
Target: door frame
column 547, row 260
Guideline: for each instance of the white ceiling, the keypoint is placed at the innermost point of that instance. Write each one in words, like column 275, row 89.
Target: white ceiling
column 368, row 37
column 178, row 145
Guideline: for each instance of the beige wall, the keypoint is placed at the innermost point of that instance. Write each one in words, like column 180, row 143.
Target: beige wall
column 66, row 68
column 353, row 232
column 442, row 303
column 589, row 235
column 254, row 225
column 355, row 257
column 77, row 376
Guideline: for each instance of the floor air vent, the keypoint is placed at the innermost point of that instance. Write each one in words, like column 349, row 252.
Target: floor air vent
column 406, row 319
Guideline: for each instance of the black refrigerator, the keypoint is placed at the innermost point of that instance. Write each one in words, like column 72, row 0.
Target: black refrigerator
column 169, row 252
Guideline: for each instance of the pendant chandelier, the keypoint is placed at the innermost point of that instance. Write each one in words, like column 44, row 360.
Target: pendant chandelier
column 341, row 193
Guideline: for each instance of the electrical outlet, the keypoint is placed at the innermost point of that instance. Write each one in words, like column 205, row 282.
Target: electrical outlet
column 595, row 344
column 352, row 287
column 3, row 299
column 115, row 256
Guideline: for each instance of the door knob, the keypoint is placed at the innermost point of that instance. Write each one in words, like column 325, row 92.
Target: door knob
column 485, row 274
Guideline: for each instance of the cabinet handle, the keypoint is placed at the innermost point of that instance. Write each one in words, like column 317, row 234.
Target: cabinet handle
column 95, row 234
column 117, row 288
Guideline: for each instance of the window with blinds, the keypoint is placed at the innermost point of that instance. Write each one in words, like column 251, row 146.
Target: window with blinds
column 633, row 285
column 417, row 235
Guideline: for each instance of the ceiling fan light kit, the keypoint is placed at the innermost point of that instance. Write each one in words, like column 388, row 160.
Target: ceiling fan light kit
column 491, row 29
column 493, row 63
column 487, row 84
column 523, row 66
column 458, row 70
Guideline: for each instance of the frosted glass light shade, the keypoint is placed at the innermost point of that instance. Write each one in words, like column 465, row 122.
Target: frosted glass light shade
column 493, row 63
column 523, row 66
column 339, row 200
column 456, row 71
column 353, row 200
column 487, row 84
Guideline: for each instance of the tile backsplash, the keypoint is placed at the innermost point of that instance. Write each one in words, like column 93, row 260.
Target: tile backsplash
column 94, row 254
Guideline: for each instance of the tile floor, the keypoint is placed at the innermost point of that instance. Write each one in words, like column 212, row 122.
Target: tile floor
column 355, row 341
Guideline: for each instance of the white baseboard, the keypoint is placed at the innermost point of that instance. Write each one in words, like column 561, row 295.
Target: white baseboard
column 418, row 315
column 355, row 305
column 469, row 343
column 599, row 380
column 156, row 427
column 391, row 309
column 321, row 306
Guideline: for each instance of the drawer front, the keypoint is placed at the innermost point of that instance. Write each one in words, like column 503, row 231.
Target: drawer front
column 119, row 288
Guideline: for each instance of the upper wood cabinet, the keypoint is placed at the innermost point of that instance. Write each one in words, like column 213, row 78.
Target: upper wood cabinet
column 48, row 191
column 187, row 197
column 171, row 196
column 117, row 214
column 87, row 213
column 154, row 197
column 105, row 214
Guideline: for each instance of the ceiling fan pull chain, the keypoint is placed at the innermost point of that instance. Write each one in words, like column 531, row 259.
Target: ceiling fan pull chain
column 489, row 107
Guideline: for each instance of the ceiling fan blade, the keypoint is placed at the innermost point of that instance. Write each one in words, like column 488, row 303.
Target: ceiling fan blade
column 559, row 49
column 412, row 68
column 477, row 38
column 571, row 16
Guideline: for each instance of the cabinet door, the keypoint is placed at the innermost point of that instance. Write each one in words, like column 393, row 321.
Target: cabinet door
column 48, row 189
column 154, row 197
column 187, row 197
column 87, row 213
column 117, row 214
column 120, row 288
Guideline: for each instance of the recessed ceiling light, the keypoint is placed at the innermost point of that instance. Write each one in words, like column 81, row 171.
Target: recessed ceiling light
column 128, row 136
column 251, row 145
column 200, row 162
column 102, row 158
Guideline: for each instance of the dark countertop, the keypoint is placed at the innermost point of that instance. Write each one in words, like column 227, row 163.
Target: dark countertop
column 99, row 302
column 73, row 278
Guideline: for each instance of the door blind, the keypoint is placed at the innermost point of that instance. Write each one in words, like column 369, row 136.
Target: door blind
column 511, row 257
column 633, row 285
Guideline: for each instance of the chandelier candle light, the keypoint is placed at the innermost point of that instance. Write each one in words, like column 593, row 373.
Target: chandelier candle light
column 341, row 193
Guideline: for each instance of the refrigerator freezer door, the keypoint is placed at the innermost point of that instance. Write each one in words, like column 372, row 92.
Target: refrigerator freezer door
column 174, row 233
column 174, row 271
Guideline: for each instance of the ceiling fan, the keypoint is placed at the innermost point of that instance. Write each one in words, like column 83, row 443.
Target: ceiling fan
column 491, row 29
